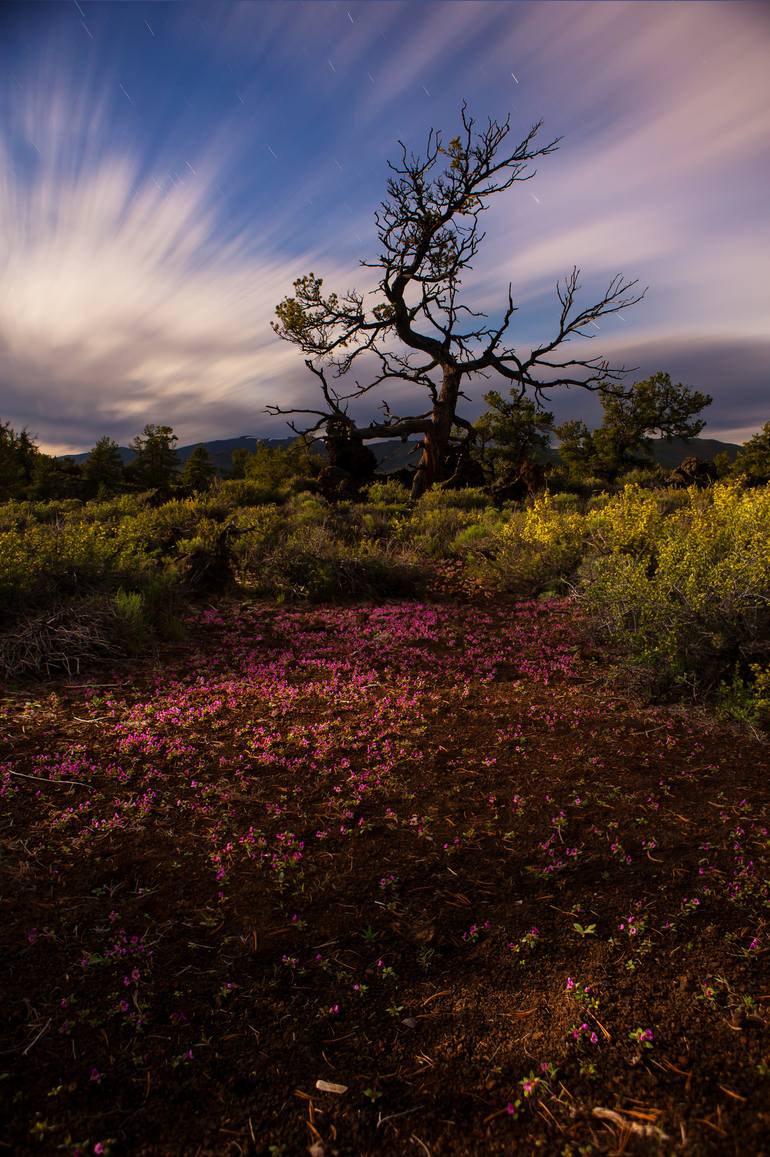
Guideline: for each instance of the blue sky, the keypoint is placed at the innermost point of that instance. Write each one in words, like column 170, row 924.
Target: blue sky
column 167, row 170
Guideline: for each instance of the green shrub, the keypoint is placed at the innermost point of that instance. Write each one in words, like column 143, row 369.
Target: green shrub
column 431, row 531
column 647, row 477
column 434, row 523
column 244, row 492
column 204, row 562
column 480, row 538
column 313, row 510
column 48, row 560
column 132, row 623
column 313, row 565
column 628, row 523
column 258, row 529
column 374, row 521
column 17, row 515
column 387, row 492
column 746, row 698
column 471, row 498
column 761, row 693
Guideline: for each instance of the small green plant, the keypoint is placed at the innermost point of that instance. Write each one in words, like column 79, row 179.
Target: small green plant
column 424, row 957
column 746, row 697
column 526, row 943
column 532, row 1088
column 129, row 605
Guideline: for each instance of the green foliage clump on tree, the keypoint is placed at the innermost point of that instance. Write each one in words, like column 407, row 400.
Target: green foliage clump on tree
column 623, row 440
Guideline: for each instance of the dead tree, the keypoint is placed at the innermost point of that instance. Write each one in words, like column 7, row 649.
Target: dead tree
column 428, row 230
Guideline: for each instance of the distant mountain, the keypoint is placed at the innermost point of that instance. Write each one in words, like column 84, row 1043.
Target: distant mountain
column 394, row 454
column 221, row 451
column 669, row 453
column 391, row 455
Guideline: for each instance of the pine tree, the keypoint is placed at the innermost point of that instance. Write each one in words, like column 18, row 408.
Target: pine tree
column 198, row 471
column 510, row 434
column 156, row 464
column 17, row 461
column 103, row 469
column 623, row 440
column 54, row 478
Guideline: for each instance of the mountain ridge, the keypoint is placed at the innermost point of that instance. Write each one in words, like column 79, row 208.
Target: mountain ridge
column 392, row 454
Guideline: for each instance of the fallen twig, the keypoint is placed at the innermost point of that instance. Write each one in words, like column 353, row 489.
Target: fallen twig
column 45, row 1028
column 331, row 1087
column 632, row 1126
column 392, row 1116
column 42, row 779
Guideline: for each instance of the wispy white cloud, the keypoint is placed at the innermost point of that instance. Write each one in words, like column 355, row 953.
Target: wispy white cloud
column 664, row 184
column 118, row 303
column 658, row 175
column 428, row 42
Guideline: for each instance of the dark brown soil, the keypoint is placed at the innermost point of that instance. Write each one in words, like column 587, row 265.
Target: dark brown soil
column 425, row 853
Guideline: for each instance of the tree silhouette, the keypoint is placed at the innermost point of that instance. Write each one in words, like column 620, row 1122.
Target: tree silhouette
column 428, row 231
column 54, row 478
column 18, row 453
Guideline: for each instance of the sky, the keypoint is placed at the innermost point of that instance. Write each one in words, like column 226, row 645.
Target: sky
column 168, row 169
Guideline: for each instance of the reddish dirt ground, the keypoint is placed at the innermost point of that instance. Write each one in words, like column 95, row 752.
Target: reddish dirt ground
column 425, row 853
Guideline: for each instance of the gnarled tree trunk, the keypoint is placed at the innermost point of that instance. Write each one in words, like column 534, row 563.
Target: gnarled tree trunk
column 432, row 465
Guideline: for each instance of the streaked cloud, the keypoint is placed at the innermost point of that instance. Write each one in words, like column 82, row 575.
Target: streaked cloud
column 147, row 229
column 120, row 305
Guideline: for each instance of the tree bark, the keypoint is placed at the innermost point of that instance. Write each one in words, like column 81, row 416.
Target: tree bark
column 431, row 467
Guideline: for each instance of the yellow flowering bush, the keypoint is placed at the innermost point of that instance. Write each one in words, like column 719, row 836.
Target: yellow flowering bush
column 761, row 693
column 629, row 522
column 687, row 591
column 537, row 548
